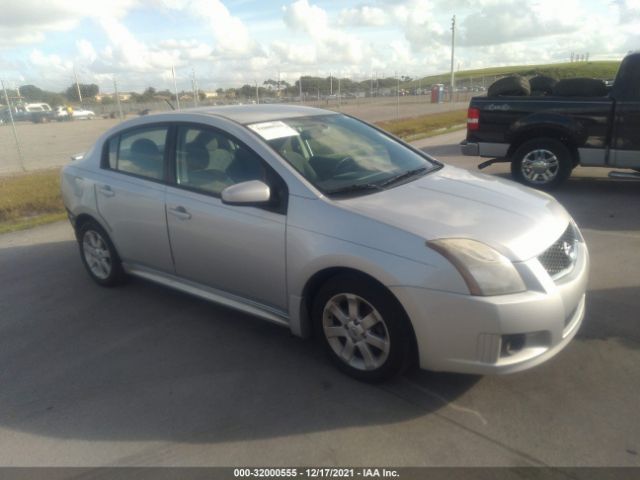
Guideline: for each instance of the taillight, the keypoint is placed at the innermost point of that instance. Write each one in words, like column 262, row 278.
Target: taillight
column 473, row 119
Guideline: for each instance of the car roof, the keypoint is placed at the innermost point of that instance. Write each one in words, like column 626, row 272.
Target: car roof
column 246, row 114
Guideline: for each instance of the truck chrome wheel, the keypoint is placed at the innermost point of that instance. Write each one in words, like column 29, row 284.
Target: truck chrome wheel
column 96, row 254
column 540, row 166
column 356, row 332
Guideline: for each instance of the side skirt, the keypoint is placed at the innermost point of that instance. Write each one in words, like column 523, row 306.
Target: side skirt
column 217, row 296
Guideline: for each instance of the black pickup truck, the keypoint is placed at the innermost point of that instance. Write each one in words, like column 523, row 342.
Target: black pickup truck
column 546, row 137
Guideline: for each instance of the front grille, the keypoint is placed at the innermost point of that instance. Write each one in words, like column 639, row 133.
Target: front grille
column 559, row 258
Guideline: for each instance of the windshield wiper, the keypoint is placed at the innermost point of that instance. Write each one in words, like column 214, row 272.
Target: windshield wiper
column 356, row 187
column 403, row 176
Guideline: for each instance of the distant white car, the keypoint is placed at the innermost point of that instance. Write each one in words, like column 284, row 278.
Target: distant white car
column 82, row 114
column 60, row 113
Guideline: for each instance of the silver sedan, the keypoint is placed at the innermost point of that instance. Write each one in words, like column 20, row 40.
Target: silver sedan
column 324, row 224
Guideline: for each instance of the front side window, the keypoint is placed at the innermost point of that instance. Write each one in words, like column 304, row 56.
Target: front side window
column 210, row 161
column 139, row 152
column 339, row 154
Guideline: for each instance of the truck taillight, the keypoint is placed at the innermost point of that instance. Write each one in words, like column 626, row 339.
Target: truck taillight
column 473, row 119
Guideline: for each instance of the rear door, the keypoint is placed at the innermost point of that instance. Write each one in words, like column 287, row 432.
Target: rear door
column 131, row 196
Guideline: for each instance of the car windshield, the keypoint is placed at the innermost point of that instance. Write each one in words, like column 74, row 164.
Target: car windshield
column 342, row 155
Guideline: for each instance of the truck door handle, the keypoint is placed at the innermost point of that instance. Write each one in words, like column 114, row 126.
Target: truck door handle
column 106, row 191
column 180, row 212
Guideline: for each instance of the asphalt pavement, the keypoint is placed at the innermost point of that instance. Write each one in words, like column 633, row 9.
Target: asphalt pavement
column 142, row 375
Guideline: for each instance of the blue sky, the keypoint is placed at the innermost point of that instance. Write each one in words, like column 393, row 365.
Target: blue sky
column 231, row 43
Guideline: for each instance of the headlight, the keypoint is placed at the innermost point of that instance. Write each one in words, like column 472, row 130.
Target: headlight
column 485, row 271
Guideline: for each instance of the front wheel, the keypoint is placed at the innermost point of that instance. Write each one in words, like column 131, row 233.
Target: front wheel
column 363, row 328
column 542, row 163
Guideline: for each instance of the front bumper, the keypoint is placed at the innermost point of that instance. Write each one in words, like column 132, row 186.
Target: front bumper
column 498, row 334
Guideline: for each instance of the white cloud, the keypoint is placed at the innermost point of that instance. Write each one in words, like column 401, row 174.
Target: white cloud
column 27, row 21
column 516, row 21
column 364, row 15
column 238, row 43
column 231, row 35
column 629, row 10
column 294, row 53
column 332, row 45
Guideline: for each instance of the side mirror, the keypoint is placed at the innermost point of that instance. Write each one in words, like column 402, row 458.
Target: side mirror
column 247, row 193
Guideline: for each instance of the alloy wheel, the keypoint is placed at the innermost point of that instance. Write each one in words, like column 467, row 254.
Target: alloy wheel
column 540, row 166
column 97, row 255
column 356, row 332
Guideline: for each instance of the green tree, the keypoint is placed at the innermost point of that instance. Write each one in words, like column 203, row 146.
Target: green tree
column 88, row 90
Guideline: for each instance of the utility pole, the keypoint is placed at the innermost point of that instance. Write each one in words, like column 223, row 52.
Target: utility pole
column 257, row 94
column 453, row 47
column 397, row 96
column 278, row 86
column 194, row 87
column 75, row 74
column 13, row 126
column 371, row 87
column 115, row 87
column 300, row 85
column 175, row 87
column 339, row 94
column 330, row 84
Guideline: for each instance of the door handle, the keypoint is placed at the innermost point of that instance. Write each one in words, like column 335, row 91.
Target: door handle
column 106, row 191
column 180, row 212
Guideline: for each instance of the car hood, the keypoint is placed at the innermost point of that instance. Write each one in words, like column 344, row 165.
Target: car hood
column 517, row 221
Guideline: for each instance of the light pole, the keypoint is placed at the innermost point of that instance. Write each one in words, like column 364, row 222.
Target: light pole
column 300, row 85
column 115, row 88
column 175, row 86
column 75, row 75
column 397, row 96
column 13, row 126
column 453, row 47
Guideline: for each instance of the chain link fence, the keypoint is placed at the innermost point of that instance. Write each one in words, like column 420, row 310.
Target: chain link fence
column 53, row 140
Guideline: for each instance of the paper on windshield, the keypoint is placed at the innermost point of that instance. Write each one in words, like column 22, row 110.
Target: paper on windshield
column 271, row 130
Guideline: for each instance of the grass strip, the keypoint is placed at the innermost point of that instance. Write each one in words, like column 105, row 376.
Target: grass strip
column 29, row 199
column 410, row 129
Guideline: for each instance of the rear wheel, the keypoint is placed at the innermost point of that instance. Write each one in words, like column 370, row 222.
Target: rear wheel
column 363, row 328
column 542, row 163
column 99, row 256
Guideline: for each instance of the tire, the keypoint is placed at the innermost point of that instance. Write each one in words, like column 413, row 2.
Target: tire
column 378, row 351
column 99, row 256
column 580, row 87
column 542, row 163
column 542, row 85
column 515, row 85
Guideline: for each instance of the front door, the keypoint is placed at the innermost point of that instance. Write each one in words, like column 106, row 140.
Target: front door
column 235, row 249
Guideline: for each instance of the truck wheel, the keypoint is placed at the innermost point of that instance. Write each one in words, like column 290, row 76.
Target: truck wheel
column 542, row 163
column 542, row 85
column 514, row 85
column 580, row 87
